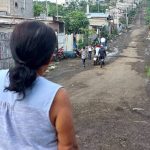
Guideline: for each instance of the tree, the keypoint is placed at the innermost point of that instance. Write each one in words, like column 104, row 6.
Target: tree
column 96, row 8
column 74, row 5
column 74, row 21
column 147, row 17
column 38, row 9
column 87, row 35
column 81, row 5
column 52, row 9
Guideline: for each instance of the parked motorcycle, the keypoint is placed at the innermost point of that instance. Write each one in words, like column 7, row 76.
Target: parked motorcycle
column 58, row 54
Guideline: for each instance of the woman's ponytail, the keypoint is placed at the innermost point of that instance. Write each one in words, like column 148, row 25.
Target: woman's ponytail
column 32, row 44
column 21, row 77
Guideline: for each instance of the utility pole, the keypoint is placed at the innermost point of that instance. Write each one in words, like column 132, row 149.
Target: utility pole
column 36, row 2
column 117, row 18
column 13, row 11
column 46, row 9
column 24, row 5
column 57, row 9
column 98, row 4
column 8, row 4
column 58, row 23
column 87, row 8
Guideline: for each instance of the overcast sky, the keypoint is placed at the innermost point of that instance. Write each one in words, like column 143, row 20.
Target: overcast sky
column 59, row 1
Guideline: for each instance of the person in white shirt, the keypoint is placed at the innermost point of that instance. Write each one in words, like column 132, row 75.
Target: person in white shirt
column 90, row 52
column 103, row 41
column 83, row 55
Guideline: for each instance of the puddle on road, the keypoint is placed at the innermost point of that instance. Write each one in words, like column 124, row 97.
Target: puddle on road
column 113, row 53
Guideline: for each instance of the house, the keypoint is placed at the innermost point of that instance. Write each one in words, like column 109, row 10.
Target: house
column 90, row 1
column 7, row 23
column 97, row 20
column 121, row 10
column 18, row 8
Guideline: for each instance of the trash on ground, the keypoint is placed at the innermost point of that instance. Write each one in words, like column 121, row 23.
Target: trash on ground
column 137, row 109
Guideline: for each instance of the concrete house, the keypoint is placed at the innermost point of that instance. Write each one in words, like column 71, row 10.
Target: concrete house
column 13, row 12
column 97, row 20
column 19, row 8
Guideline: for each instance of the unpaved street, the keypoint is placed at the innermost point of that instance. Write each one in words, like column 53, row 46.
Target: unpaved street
column 111, row 105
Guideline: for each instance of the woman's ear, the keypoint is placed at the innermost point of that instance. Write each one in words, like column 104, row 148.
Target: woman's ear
column 42, row 69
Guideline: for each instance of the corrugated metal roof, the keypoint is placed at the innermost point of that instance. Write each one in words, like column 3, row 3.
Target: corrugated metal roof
column 97, row 22
column 97, row 15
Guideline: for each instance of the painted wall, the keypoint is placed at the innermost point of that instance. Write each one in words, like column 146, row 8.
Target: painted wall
column 69, row 41
column 23, row 8
column 5, row 54
column 20, row 8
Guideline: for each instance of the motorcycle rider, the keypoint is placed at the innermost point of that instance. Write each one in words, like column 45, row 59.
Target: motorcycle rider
column 102, row 53
column 83, row 55
column 97, row 50
column 103, row 41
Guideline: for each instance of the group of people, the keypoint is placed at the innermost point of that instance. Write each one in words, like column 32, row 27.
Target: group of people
column 99, row 51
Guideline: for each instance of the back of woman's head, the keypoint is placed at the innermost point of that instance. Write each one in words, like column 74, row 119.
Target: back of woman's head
column 32, row 45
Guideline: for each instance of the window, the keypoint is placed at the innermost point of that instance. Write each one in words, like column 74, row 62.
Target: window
column 16, row 5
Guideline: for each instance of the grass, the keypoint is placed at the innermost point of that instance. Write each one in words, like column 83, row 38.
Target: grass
column 147, row 69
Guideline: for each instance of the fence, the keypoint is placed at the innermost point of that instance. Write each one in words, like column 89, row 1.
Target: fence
column 5, row 54
column 69, row 41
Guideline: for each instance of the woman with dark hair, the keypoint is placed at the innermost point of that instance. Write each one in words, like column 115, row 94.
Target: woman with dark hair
column 35, row 114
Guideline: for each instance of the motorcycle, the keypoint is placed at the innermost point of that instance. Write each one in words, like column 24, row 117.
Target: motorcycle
column 95, row 60
column 58, row 54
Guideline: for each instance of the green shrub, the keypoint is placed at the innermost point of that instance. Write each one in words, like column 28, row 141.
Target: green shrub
column 147, row 70
column 80, row 44
column 114, row 32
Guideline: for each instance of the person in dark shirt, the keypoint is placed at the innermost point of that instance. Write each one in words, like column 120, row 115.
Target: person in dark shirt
column 102, row 53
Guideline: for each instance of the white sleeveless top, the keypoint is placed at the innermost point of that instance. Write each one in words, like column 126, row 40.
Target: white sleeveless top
column 24, row 123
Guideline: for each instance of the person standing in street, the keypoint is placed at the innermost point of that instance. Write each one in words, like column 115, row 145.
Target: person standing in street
column 89, row 52
column 83, row 55
column 103, row 41
column 35, row 113
column 97, row 50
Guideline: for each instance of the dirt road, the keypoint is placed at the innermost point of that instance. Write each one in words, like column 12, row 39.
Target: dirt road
column 111, row 105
